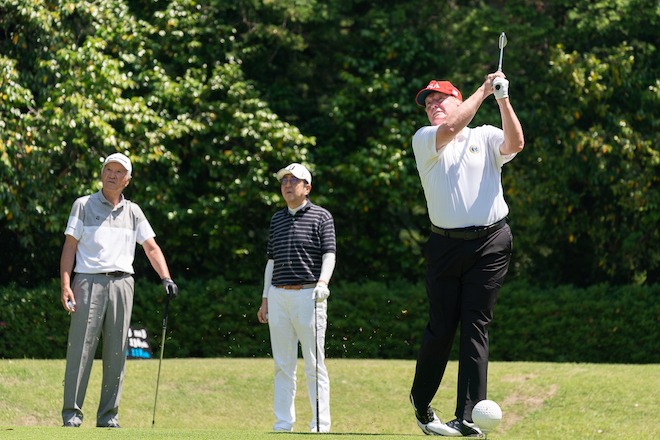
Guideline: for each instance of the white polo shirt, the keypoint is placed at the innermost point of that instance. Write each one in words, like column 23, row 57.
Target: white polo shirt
column 106, row 234
column 462, row 182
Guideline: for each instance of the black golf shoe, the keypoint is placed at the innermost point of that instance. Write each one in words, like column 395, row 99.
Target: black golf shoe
column 111, row 424
column 459, row 428
column 427, row 421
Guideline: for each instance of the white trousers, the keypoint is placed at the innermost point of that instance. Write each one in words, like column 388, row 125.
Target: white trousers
column 291, row 319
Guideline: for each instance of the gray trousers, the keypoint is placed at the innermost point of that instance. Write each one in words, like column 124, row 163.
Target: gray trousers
column 103, row 307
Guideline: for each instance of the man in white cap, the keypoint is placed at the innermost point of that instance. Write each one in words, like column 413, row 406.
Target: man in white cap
column 301, row 259
column 468, row 252
column 100, row 238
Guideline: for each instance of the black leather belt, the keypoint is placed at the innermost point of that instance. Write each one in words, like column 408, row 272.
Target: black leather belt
column 471, row 233
column 115, row 274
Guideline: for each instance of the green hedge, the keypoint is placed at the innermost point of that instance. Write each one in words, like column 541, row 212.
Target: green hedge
column 215, row 318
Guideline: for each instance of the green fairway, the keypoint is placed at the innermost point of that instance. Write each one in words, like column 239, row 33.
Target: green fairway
column 232, row 399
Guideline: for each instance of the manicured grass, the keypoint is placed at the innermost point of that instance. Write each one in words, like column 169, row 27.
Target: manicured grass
column 232, row 399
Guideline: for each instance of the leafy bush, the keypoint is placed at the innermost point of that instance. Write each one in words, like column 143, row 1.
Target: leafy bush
column 217, row 318
column 33, row 323
column 595, row 324
column 210, row 98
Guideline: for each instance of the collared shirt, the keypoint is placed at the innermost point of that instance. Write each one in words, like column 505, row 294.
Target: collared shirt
column 106, row 233
column 462, row 182
column 298, row 242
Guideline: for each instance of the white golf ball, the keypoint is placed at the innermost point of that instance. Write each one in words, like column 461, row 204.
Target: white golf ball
column 487, row 415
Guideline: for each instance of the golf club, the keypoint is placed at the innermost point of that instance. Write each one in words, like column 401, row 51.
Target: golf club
column 502, row 43
column 162, row 349
column 316, row 343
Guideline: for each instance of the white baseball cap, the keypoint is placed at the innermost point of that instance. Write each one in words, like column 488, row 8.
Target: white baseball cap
column 121, row 160
column 297, row 170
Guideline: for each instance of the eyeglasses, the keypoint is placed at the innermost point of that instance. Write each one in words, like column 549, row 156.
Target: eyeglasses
column 293, row 180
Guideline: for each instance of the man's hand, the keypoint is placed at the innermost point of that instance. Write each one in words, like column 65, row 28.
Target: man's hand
column 170, row 287
column 321, row 292
column 68, row 300
column 262, row 314
column 501, row 88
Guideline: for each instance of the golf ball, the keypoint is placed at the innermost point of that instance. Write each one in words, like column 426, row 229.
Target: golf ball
column 487, row 415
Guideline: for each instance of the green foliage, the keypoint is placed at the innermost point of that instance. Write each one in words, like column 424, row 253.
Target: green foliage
column 210, row 98
column 375, row 320
column 596, row 324
column 32, row 323
column 204, row 145
column 595, row 196
column 213, row 318
column 218, row 318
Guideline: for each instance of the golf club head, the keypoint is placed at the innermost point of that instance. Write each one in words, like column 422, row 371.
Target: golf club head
column 502, row 42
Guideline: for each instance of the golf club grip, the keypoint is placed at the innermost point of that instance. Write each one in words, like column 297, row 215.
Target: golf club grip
column 167, row 309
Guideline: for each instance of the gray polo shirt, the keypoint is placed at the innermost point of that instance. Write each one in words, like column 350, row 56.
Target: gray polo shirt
column 106, row 234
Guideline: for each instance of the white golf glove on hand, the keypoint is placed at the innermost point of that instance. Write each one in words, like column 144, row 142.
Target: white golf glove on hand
column 501, row 88
column 321, row 293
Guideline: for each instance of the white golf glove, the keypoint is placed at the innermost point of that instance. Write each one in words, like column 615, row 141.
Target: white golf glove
column 501, row 88
column 321, row 292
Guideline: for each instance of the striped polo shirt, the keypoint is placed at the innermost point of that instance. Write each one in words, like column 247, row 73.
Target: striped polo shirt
column 298, row 242
column 106, row 234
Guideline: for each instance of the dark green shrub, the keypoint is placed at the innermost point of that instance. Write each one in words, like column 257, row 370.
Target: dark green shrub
column 217, row 318
column 564, row 324
column 33, row 323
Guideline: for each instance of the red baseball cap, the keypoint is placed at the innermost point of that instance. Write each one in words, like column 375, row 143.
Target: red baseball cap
column 437, row 86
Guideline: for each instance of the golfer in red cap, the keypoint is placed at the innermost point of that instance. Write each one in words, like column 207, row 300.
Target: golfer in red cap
column 468, row 252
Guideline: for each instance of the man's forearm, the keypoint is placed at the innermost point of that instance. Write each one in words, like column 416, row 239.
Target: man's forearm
column 157, row 260
column 66, row 262
column 460, row 118
column 514, row 139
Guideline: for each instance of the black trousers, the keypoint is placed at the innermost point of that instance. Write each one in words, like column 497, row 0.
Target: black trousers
column 463, row 279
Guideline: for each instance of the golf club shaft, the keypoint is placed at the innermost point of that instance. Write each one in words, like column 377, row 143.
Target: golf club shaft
column 162, row 350
column 501, row 44
column 316, row 343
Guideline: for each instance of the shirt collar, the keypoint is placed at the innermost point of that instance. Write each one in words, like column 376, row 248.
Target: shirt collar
column 107, row 202
column 302, row 208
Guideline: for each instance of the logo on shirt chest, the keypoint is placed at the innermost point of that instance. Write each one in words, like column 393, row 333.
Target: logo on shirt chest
column 474, row 149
